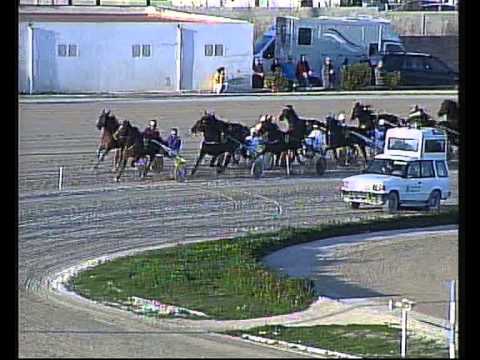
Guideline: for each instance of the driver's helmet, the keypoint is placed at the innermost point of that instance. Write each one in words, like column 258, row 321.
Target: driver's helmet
column 341, row 117
column 263, row 118
column 152, row 123
column 381, row 122
column 253, row 131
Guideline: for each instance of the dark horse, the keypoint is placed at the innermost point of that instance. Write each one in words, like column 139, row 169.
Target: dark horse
column 451, row 123
column 283, row 145
column 132, row 147
column 220, row 138
column 364, row 118
column 108, row 124
column 338, row 136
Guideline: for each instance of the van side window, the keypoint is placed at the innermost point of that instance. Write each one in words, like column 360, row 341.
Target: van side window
column 413, row 170
column 304, row 36
column 441, row 168
column 427, row 169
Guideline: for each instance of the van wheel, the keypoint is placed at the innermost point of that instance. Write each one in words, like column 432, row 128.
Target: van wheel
column 434, row 201
column 354, row 205
column 391, row 203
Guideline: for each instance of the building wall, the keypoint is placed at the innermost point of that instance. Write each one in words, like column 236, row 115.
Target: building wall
column 105, row 62
column 238, row 54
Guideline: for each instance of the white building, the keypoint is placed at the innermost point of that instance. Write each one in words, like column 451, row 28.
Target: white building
column 93, row 49
column 256, row 3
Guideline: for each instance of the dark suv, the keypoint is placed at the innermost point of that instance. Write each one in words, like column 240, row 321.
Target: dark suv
column 418, row 69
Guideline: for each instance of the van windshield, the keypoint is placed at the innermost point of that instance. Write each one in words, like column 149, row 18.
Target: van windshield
column 386, row 167
column 260, row 44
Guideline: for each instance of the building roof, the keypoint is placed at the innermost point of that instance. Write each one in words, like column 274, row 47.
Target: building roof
column 115, row 14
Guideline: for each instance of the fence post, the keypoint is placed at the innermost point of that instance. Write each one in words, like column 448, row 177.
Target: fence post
column 452, row 318
column 60, row 178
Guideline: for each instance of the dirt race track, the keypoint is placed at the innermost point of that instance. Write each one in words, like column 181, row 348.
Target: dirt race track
column 94, row 216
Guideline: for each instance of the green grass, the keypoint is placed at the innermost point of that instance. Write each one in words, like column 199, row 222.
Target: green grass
column 225, row 279
column 360, row 340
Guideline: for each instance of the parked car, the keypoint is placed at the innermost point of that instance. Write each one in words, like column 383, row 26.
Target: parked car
column 417, row 69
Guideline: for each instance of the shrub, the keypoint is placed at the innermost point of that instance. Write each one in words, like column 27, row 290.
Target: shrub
column 392, row 79
column 356, row 76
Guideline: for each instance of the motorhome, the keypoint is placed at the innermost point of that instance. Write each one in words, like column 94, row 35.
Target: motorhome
column 346, row 40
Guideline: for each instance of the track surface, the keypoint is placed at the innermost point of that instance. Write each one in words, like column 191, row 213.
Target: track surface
column 93, row 216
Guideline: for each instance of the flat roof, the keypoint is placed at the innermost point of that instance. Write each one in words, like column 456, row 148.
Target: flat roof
column 115, row 14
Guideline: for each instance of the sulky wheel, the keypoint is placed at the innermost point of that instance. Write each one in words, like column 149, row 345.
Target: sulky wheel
column 320, row 166
column 257, row 168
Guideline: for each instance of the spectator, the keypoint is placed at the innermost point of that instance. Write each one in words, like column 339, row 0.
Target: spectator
column 220, row 85
column 258, row 74
column 379, row 74
column 303, row 72
column 275, row 66
column 288, row 70
column 328, row 74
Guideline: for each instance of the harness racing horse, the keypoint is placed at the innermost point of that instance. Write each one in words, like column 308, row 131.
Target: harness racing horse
column 220, row 138
column 366, row 119
column 108, row 124
column 339, row 136
column 132, row 146
column 450, row 113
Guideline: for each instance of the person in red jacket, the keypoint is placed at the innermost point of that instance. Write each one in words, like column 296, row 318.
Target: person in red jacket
column 303, row 72
column 152, row 138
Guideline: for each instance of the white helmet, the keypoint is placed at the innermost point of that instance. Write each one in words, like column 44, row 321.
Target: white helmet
column 381, row 122
column 263, row 118
column 341, row 116
column 253, row 130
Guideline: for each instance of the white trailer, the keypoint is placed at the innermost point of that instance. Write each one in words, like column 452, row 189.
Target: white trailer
column 350, row 39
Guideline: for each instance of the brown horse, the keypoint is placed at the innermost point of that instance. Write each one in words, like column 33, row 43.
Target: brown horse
column 132, row 147
column 108, row 125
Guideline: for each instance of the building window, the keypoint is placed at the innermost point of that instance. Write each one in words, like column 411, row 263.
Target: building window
column 62, row 50
column 218, row 50
column 72, row 50
column 146, row 50
column 135, row 51
column 208, row 50
column 304, row 36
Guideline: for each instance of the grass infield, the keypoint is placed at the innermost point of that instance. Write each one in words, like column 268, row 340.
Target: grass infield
column 225, row 279
column 360, row 340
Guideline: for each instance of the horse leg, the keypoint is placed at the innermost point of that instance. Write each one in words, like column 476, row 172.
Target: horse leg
column 225, row 162
column 212, row 161
column 123, row 164
column 200, row 157
column 364, row 154
column 116, row 160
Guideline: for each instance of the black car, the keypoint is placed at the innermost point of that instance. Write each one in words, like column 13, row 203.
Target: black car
column 418, row 69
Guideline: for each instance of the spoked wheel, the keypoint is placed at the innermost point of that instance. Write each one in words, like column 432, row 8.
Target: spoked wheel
column 320, row 166
column 268, row 161
column 257, row 167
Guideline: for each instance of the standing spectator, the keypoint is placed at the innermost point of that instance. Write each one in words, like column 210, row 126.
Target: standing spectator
column 288, row 70
column 275, row 66
column 219, row 81
column 328, row 74
column 303, row 72
column 258, row 74
column 379, row 74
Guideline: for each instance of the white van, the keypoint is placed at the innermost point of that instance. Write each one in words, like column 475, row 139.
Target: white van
column 412, row 172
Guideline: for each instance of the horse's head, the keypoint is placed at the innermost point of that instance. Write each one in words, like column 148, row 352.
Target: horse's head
column 288, row 114
column 102, row 119
column 448, row 108
column 205, row 121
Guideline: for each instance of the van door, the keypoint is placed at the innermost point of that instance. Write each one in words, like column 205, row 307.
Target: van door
column 412, row 191
column 428, row 179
